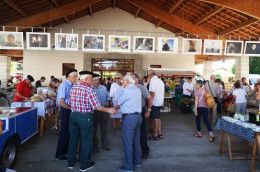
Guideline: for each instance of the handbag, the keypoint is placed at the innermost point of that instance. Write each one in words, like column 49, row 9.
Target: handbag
column 231, row 107
column 215, row 98
column 209, row 100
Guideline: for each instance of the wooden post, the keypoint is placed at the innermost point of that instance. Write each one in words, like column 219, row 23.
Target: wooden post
column 229, row 148
column 222, row 142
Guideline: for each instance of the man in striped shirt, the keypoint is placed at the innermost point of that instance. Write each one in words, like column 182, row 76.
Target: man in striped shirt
column 83, row 101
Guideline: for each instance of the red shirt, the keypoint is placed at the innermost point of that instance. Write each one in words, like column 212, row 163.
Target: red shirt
column 24, row 90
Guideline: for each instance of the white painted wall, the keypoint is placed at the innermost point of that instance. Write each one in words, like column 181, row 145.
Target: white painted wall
column 47, row 63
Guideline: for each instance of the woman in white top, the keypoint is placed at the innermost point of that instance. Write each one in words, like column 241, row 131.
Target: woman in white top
column 239, row 95
column 115, row 91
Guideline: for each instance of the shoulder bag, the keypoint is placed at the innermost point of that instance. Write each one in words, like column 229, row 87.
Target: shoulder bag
column 215, row 98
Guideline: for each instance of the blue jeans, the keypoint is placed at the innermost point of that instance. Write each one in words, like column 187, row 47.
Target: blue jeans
column 131, row 140
column 202, row 111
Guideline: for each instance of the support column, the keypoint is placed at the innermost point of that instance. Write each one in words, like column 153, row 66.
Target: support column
column 242, row 67
column 5, row 70
column 207, row 69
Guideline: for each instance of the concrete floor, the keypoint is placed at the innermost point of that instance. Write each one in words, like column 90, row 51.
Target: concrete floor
column 178, row 151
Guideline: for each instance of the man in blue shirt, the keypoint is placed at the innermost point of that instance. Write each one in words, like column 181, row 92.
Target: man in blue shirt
column 64, row 112
column 100, row 117
column 130, row 103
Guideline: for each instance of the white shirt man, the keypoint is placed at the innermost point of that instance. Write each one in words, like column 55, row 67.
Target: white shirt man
column 188, row 87
column 157, row 86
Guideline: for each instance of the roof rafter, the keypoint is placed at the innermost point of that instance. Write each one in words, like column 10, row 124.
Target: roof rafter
column 171, row 19
column 16, row 7
column 211, row 13
column 248, row 7
column 58, row 12
column 137, row 12
column 158, row 23
column 90, row 10
column 175, row 6
column 67, row 19
column 240, row 25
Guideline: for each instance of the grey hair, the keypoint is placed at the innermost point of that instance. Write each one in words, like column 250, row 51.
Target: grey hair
column 135, row 76
column 119, row 74
column 129, row 78
column 152, row 72
column 212, row 77
column 83, row 77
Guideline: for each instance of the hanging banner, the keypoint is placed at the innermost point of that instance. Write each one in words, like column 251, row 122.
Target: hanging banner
column 167, row 45
column 119, row 43
column 38, row 41
column 252, row 48
column 66, row 41
column 233, row 48
column 212, row 47
column 93, row 42
column 144, row 44
column 11, row 40
column 191, row 46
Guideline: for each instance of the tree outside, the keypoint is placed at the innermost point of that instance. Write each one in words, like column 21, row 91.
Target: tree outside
column 254, row 65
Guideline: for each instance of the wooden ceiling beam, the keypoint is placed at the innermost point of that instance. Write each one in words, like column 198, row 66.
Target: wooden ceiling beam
column 248, row 7
column 240, row 25
column 175, row 6
column 211, row 13
column 16, row 7
column 137, row 12
column 158, row 23
column 90, row 10
column 56, row 3
column 58, row 12
column 114, row 4
column 171, row 19
column 67, row 19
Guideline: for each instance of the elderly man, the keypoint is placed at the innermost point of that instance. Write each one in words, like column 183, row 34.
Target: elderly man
column 24, row 89
column 211, row 86
column 83, row 101
column 130, row 103
column 143, row 132
column 64, row 112
column 156, row 89
column 100, row 118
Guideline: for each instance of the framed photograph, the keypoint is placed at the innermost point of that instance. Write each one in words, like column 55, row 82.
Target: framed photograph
column 144, row 44
column 11, row 40
column 38, row 41
column 119, row 43
column 66, row 67
column 66, row 41
column 167, row 45
column 252, row 48
column 233, row 48
column 212, row 47
column 191, row 46
column 93, row 42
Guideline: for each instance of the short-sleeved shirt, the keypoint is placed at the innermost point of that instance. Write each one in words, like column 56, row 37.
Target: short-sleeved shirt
column 64, row 91
column 188, row 86
column 145, row 93
column 83, row 98
column 211, row 86
column 200, row 95
column 157, row 86
column 240, row 95
column 24, row 90
column 219, row 90
column 102, row 94
column 38, row 84
column 130, row 100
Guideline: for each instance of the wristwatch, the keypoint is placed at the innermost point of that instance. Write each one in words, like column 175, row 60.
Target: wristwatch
column 149, row 110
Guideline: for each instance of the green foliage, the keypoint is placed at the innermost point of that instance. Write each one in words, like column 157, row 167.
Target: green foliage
column 254, row 65
column 219, row 76
column 233, row 69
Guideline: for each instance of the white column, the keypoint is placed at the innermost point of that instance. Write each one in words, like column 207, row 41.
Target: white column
column 5, row 69
column 207, row 69
column 242, row 67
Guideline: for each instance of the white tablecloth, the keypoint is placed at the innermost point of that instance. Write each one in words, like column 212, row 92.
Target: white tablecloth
column 43, row 108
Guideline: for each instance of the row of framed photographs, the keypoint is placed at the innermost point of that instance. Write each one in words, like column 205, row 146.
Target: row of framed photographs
column 65, row 41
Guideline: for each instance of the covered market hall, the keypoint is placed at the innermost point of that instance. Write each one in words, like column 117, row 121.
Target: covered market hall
column 129, row 85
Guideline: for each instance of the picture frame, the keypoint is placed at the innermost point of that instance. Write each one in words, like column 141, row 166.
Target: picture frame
column 66, row 41
column 117, row 43
column 11, row 40
column 167, row 45
column 191, row 46
column 233, row 48
column 67, row 67
column 93, row 42
column 38, row 41
column 212, row 47
column 252, row 48
column 144, row 44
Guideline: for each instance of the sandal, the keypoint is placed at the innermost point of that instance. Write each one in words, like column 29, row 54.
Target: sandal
column 155, row 138
column 211, row 138
column 197, row 135
column 160, row 136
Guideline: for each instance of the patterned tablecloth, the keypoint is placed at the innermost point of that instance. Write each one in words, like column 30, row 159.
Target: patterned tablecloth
column 236, row 129
column 43, row 108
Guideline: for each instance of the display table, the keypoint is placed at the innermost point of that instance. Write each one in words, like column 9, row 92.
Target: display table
column 44, row 111
column 167, row 104
column 239, row 130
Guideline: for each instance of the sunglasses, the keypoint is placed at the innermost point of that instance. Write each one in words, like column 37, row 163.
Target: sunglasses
column 117, row 78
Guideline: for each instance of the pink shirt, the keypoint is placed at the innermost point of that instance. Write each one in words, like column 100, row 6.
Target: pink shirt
column 200, row 94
